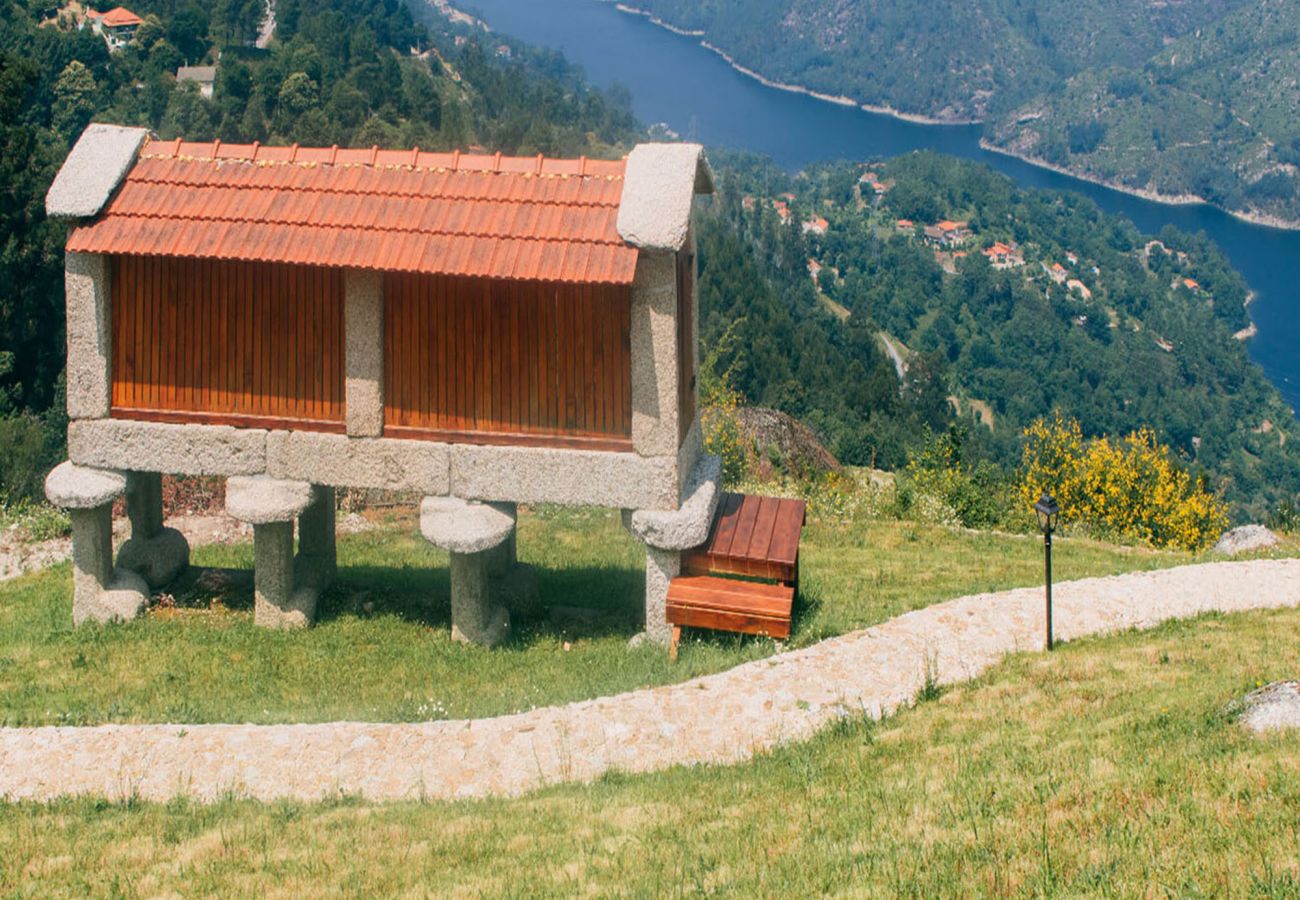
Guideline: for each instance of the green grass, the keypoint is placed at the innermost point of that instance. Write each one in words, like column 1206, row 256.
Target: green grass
column 1107, row 768
column 381, row 650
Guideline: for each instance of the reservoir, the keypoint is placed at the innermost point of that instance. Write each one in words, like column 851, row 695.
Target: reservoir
column 695, row 92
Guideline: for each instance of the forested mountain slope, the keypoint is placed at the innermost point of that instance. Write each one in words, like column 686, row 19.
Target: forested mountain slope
column 1216, row 115
column 957, row 60
column 1176, row 98
column 1089, row 318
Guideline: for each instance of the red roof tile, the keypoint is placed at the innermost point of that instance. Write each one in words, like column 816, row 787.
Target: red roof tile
column 521, row 218
column 117, row 17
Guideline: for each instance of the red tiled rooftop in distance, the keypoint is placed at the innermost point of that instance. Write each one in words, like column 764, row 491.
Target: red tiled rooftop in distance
column 521, row 218
column 117, row 17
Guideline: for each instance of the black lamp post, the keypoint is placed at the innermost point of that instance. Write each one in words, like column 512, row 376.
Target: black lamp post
column 1048, row 511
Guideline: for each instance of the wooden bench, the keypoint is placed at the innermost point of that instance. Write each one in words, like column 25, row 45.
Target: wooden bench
column 751, row 537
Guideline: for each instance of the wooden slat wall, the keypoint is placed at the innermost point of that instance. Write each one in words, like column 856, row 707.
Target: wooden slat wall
column 482, row 361
column 685, row 343
column 227, row 343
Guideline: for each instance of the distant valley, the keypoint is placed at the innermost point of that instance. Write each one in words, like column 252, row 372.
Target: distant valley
column 1177, row 101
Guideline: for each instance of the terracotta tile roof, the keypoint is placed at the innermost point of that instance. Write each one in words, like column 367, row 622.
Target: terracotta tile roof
column 117, row 17
column 522, row 218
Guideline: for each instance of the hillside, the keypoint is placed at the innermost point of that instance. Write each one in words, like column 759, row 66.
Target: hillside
column 1191, row 100
column 1214, row 115
column 1081, row 314
column 954, row 61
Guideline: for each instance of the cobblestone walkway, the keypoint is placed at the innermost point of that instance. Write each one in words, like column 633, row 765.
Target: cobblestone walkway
column 719, row 718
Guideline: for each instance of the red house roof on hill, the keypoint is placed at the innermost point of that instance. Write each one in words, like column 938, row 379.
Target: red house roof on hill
column 117, row 17
column 521, row 218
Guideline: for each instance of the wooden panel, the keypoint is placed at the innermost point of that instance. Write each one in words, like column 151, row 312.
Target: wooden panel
column 526, row 363
column 756, row 537
column 726, row 605
column 249, row 344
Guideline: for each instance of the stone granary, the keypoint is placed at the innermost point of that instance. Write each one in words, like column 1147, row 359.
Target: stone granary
column 482, row 330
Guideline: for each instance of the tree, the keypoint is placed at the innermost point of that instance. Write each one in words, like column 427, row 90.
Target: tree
column 298, row 94
column 74, row 99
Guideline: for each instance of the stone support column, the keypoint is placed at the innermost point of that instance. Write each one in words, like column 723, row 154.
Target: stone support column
column 667, row 534
column 155, row 553
column 144, row 503
column 661, row 567
column 317, row 542
column 100, row 593
column 270, row 506
column 654, row 354
column 89, row 378
column 480, row 540
column 363, row 308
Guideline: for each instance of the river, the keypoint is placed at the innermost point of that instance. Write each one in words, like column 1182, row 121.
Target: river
column 695, row 92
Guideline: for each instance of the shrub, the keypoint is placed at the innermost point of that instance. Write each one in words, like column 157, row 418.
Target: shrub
column 719, row 424
column 942, row 487
column 1129, row 487
column 29, row 447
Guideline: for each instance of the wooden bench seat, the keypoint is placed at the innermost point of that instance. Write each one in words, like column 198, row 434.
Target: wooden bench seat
column 727, row 604
column 756, row 537
column 751, row 537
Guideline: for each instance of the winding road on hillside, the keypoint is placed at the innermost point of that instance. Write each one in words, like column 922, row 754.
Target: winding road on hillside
column 722, row 718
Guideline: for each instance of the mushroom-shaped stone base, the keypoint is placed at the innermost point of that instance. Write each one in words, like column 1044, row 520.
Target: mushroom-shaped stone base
column 667, row 533
column 479, row 538
column 284, row 596
column 99, row 593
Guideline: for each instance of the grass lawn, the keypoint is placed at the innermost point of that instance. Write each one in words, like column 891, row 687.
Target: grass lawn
column 381, row 650
column 1107, row 768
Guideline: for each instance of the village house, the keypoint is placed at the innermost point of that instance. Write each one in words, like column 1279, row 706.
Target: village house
column 947, row 234
column 117, row 26
column 204, row 76
column 1004, row 256
column 814, row 269
column 1192, row 285
column 815, row 225
column 782, row 211
column 905, row 226
column 479, row 330
column 1056, row 272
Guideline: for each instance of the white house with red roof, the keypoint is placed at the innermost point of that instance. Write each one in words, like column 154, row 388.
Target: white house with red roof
column 815, row 225
column 1004, row 256
column 117, row 26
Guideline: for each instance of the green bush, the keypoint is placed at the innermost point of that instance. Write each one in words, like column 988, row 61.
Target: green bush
column 29, row 447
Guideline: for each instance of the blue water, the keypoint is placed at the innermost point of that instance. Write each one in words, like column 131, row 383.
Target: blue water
column 676, row 81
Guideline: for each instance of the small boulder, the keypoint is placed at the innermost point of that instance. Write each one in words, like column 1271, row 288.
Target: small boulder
column 1245, row 539
column 1274, row 707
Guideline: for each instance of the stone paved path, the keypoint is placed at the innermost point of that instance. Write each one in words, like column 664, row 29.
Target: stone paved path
column 720, row 718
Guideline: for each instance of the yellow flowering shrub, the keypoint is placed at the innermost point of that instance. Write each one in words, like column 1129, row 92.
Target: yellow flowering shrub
column 1129, row 486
